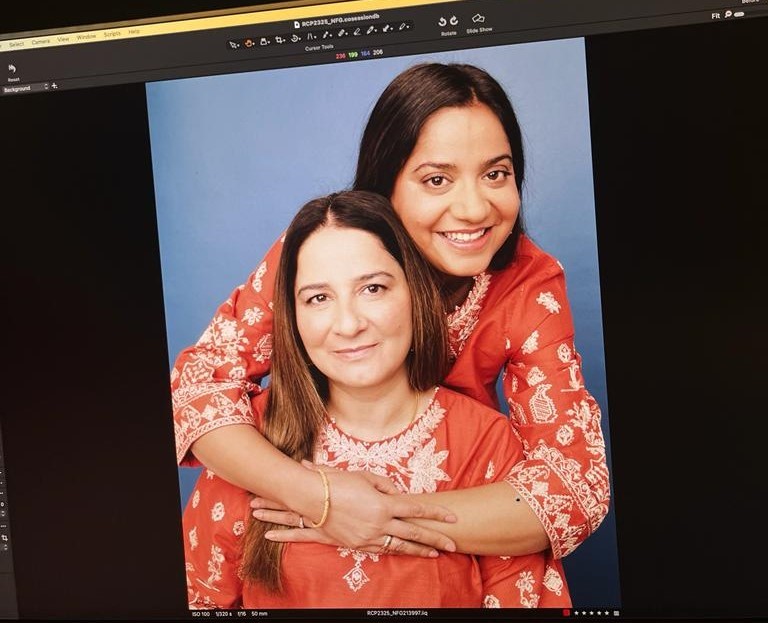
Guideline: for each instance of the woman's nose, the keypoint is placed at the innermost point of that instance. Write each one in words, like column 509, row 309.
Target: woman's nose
column 348, row 319
column 469, row 204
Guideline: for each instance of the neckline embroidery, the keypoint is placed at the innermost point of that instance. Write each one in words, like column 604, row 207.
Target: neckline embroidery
column 399, row 458
column 462, row 321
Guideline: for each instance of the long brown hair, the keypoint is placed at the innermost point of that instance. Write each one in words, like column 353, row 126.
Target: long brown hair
column 403, row 108
column 298, row 391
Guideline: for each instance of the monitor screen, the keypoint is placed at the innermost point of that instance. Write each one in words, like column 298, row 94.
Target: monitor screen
column 579, row 186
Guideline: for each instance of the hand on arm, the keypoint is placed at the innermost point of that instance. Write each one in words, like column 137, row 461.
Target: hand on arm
column 364, row 508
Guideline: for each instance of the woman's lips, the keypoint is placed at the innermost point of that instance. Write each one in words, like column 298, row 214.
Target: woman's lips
column 352, row 354
column 466, row 240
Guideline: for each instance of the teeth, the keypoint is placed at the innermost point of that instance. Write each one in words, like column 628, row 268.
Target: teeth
column 463, row 237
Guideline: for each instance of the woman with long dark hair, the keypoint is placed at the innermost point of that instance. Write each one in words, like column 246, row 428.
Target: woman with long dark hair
column 359, row 350
column 443, row 144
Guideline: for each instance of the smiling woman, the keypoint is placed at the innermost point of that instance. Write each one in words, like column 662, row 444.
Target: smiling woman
column 456, row 193
column 355, row 325
column 360, row 346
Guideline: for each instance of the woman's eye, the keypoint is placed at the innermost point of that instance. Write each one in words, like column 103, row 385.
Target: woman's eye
column 317, row 299
column 435, row 180
column 374, row 288
column 497, row 175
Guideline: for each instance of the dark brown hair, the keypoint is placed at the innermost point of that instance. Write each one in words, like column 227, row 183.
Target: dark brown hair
column 403, row 108
column 298, row 391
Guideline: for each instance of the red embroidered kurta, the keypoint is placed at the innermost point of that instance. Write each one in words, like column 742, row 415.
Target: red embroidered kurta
column 454, row 443
column 516, row 321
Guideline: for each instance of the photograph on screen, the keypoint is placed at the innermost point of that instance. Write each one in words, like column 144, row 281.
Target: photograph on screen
column 235, row 158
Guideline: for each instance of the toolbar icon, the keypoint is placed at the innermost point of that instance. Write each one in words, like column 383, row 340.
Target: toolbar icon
column 442, row 22
column 295, row 38
column 12, row 68
column 453, row 21
column 478, row 18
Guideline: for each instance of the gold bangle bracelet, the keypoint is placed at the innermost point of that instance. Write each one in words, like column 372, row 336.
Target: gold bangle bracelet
column 326, row 501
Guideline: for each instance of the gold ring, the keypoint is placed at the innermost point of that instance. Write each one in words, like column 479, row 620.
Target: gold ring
column 387, row 542
column 301, row 522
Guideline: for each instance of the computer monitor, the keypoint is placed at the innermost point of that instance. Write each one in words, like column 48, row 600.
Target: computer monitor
column 152, row 160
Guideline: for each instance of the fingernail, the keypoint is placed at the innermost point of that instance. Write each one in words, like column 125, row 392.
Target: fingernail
column 433, row 554
column 258, row 514
column 451, row 519
column 270, row 535
column 451, row 547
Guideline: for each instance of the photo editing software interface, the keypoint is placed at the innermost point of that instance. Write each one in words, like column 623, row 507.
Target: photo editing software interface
column 594, row 447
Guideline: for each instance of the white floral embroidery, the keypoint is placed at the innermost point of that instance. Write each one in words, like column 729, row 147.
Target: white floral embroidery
column 253, row 315
column 542, row 406
column 531, row 345
column 209, row 474
column 491, row 601
column 564, row 435
column 574, row 381
column 238, row 528
column 256, row 283
column 193, row 541
column 195, row 498
column 222, row 342
column 548, row 300
column 390, row 457
column 217, row 512
column 490, row 471
column 516, row 412
column 424, row 468
column 564, row 353
column 526, row 583
column 214, row 565
column 356, row 577
column 507, row 343
column 552, row 581
column 195, row 371
column 462, row 321
column 535, row 376
column 263, row 349
column 237, row 373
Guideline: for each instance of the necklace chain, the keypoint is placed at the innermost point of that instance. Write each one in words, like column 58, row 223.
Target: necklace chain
column 413, row 418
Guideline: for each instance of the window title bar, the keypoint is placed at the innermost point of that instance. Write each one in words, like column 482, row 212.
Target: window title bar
column 354, row 10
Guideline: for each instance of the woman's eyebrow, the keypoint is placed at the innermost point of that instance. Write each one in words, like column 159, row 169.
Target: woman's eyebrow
column 312, row 286
column 447, row 166
column 361, row 278
column 374, row 275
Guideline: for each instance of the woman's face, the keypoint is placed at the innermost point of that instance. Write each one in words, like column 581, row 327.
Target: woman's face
column 353, row 308
column 456, row 193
